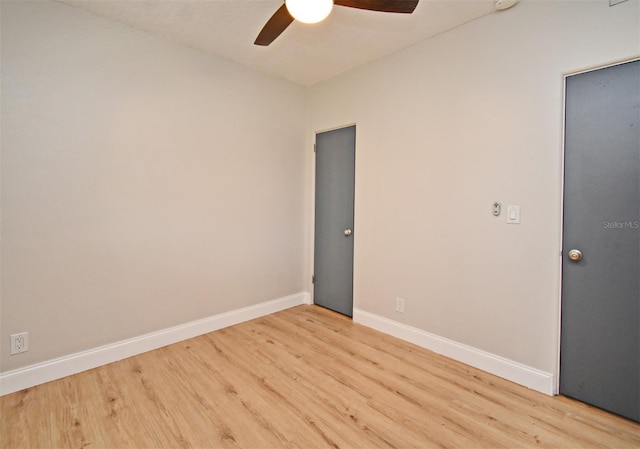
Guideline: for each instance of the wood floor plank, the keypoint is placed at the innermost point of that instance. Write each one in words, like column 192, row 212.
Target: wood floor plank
column 302, row 378
column 359, row 375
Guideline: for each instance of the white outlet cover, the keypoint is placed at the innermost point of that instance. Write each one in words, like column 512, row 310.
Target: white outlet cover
column 400, row 305
column 19, row 343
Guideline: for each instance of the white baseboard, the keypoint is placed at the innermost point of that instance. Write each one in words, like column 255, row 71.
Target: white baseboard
column 21, row 378
column 491, row 363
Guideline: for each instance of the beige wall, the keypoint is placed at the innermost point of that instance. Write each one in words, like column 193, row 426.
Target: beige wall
column 446, row 128
column 144, row 184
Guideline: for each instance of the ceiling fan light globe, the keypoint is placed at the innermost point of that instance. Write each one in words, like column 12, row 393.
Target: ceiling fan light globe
column 309, row 11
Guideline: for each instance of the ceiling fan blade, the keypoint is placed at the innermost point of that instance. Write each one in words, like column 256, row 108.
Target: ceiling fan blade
column 274, row 27
column 400, row 6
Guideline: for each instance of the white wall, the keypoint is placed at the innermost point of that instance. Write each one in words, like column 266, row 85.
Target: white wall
column 144, row 184
column 446, row 128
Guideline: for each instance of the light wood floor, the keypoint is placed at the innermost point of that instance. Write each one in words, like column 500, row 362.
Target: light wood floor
column 302, row 378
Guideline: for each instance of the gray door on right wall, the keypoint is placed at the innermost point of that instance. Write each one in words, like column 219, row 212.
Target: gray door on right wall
column 600, row 334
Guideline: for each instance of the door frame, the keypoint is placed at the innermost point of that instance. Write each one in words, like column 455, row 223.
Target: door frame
column 565, row 75
column 312, row 227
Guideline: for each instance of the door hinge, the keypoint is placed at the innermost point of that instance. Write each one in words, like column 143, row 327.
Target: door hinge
column 313, row 279
column 314, row 147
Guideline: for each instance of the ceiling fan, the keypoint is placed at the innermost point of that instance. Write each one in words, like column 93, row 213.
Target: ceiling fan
column 284, row 16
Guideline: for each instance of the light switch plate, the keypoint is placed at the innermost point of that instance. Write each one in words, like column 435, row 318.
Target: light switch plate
column 513, row 214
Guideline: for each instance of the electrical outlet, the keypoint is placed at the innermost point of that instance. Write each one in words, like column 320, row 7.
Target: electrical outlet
column 399, row 305
column 19, row 343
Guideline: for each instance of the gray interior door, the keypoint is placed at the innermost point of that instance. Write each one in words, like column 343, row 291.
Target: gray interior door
column 600, row 343
column 333, row 257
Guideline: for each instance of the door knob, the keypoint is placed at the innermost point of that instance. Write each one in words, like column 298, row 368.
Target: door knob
column 347, row 232
column 575, row 255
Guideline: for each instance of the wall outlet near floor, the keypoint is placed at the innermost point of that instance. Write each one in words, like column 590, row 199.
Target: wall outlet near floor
column 400, row 305
column 19, row 343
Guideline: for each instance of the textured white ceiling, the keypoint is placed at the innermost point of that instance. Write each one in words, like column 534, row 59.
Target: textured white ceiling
column 305, row 54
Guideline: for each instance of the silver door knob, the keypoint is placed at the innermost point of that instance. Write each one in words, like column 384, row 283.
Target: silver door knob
column 575, row 255
column 347, row 232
